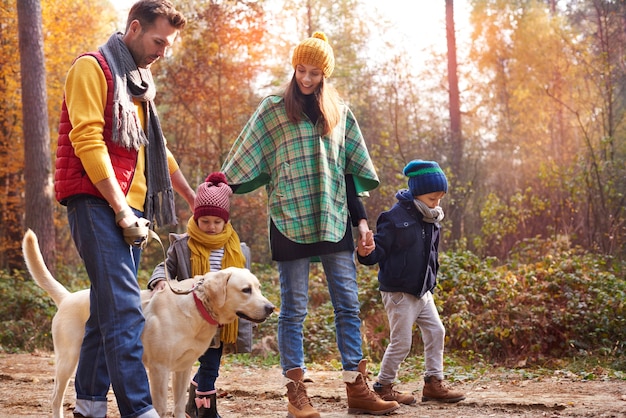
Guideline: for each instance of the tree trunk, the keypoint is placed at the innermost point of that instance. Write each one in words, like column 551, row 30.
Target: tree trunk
column 37, row 166
column 456, row 137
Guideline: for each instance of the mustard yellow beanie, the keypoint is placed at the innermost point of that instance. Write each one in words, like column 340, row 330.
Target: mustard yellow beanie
column 315, row 51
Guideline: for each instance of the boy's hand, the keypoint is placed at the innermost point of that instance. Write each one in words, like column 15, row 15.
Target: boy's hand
column 366, row 246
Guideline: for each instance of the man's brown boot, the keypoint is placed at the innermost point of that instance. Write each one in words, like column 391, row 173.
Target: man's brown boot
column 388, row 393
column 299, row 403
column 361, row 399
column 437, row 390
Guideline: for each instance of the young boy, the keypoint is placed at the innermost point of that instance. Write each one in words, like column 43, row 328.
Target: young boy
column 210, row 244
column 406, row 246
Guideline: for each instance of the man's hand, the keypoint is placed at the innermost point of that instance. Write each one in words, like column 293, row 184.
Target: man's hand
column 137, row 235
column 134, row 229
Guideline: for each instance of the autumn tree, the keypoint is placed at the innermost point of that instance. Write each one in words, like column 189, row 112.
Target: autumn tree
column 542, row 136
column 11, row 139
column 523, row 186
column 208, row 90
column 70, row 28
column 601, row 123
column 456, row 142
column 66, row 28
column 37, row 173
column 554, row 118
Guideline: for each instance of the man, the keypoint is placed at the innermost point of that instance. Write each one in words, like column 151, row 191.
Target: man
column 115, row 175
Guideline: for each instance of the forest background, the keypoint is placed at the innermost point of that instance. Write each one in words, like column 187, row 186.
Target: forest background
column 529, row 125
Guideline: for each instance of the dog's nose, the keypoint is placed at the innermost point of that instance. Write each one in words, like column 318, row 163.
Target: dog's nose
column 269, row 309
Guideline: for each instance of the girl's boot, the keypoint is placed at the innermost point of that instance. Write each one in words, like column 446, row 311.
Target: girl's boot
column 207, row 404
column 191, row 411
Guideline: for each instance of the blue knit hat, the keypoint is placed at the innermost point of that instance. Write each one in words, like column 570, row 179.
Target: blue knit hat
column 425, row 177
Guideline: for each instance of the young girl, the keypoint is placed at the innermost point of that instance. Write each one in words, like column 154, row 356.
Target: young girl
column 406, row 249
column 210, row 244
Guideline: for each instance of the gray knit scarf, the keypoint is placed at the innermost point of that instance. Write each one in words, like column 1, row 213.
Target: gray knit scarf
column 433, row 215
column 132, row 82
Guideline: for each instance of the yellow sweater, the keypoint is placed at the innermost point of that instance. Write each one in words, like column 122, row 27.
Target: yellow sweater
column 85, row 96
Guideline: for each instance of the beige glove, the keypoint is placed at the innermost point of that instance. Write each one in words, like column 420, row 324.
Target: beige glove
column 137, row 235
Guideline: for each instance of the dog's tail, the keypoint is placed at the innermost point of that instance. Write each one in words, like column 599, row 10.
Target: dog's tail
column 37, row 268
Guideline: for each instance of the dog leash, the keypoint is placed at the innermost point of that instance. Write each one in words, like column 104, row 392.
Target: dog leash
column 201, row 308
column 155, row 236
column 139, row 236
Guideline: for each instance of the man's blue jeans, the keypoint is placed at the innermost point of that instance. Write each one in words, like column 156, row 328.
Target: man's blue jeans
column 111, row 351
column 340, row 273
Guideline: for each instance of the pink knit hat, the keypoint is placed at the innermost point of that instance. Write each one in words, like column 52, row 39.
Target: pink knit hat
column 213, row 197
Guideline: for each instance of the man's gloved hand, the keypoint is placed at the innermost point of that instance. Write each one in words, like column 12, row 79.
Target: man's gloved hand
column 136, row 230
column 136, row 235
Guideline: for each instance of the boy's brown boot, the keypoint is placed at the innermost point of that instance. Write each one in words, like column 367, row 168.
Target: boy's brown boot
column 361, row 399
column 299, row 403
column 388, row 393
column 438, row 390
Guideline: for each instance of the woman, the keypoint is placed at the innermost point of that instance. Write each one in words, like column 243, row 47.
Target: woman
column 306, row 147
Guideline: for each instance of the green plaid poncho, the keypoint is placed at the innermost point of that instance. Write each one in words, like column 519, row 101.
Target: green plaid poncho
column 304, row 173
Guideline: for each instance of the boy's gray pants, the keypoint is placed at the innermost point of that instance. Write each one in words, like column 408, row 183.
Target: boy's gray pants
column 403, row 310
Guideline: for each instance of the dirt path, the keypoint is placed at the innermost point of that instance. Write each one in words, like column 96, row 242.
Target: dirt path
column 26, row 381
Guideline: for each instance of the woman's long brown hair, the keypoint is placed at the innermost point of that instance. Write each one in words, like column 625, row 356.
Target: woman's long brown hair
column 327, row 100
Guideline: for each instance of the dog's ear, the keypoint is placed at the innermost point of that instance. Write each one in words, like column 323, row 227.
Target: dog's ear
column 216, row 288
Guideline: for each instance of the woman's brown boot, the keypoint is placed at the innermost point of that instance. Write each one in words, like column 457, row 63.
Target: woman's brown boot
column 299, row 403
column 361, row 399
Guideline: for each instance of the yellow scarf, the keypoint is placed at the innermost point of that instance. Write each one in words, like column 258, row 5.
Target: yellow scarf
column 201, row 244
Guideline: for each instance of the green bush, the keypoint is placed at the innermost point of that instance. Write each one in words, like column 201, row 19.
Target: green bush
column 546, row 301
column 27, row 310
column 25, row 314
column 564, row 303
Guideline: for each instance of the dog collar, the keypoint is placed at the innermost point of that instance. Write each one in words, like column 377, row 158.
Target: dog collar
column 205, row 314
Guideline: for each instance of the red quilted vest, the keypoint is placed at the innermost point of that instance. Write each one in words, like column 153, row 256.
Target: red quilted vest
column 70, row 177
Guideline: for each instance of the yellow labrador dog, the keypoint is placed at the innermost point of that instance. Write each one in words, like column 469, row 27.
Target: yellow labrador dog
column 178, row 328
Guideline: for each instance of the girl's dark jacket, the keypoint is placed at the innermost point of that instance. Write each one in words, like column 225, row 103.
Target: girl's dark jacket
column 407, row 249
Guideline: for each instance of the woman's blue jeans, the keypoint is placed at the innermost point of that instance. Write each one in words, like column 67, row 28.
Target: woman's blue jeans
column 111, row 351
column 340, row 273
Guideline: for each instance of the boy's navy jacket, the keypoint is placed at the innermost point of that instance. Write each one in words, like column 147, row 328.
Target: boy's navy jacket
column 407, row 249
